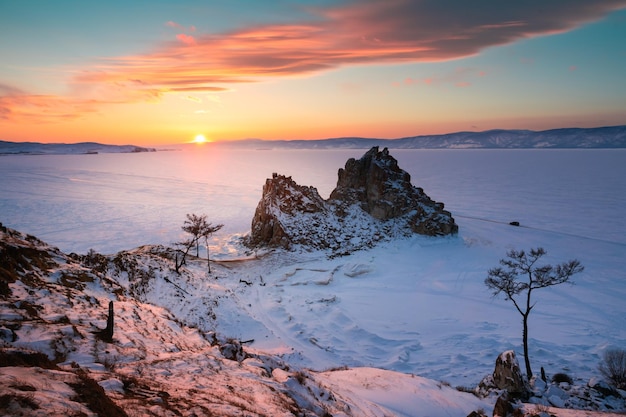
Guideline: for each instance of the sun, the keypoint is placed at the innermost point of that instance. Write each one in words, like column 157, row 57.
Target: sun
column 200, row 139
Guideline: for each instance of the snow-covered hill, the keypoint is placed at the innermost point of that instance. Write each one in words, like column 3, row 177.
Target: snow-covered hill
column 567, row 138
column 259, row 336
column 36, row 148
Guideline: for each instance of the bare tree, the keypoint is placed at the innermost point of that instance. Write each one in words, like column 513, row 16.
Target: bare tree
column 519, row 276
column 198, row 228
column 185, row 246
column 207, row 230
column 194, row 226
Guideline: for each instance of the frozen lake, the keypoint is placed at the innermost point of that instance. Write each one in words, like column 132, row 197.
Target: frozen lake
column 421, row 307
column 111, row 202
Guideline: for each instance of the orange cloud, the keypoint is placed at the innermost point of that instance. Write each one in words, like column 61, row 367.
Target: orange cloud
column 43, row 108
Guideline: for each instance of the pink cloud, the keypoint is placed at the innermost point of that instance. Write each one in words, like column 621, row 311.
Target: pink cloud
column 358, row 33
column 367, row 32
column 186, row 39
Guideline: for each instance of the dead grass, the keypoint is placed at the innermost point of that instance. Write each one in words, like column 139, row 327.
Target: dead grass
column 27, row 359
column 93, row 396
column 9, row 403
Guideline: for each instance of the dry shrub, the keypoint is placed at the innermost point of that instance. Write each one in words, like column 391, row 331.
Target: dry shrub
column 613, row 367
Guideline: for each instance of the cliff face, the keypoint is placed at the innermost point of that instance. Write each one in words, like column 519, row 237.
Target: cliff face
column 374, row 199
column 283, row 199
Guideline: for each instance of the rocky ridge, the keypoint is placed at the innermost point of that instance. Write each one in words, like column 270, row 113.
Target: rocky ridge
column 374, row 200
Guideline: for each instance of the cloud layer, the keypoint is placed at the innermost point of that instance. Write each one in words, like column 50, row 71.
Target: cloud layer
column 359, row 33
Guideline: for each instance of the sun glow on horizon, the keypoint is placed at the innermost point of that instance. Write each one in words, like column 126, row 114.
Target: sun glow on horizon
column 200, row 139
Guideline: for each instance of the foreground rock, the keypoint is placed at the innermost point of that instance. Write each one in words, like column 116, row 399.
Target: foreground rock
column 374, row 200
column 516, row 396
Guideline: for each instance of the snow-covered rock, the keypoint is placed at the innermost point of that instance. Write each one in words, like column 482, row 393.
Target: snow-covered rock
column 374, row 200
column 507, row 376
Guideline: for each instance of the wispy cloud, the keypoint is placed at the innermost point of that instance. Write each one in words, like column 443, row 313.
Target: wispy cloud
column 186, row 39
column 194, row 99
column 360, row 33
column 460, row 77
column 31, row 108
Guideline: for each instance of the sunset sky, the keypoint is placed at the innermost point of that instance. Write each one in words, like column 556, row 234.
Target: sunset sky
column 154, row 72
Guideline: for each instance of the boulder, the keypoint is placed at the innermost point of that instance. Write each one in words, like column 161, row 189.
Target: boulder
column 374, row 199
column 507, row 375
column 504, row 406
column 602, row 388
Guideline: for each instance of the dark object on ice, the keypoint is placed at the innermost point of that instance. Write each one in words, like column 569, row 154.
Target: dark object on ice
column 514, row 223
column 374, row 199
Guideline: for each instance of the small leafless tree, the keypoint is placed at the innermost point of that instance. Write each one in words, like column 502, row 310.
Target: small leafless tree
column 206, row 231
column 613, row 367
column 519, row 276
column 199, row 228
column 194, row 225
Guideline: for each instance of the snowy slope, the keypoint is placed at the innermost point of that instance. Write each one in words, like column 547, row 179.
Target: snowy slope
column 305, row 334
column 157, row 364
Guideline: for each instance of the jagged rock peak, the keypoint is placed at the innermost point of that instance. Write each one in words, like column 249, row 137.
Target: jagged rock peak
column 370, row 182
column 281, row 197
column 374, row 199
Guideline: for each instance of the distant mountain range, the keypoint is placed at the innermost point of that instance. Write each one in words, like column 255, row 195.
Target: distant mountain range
column 610, row 137
column 35, row 148
column 587, row 138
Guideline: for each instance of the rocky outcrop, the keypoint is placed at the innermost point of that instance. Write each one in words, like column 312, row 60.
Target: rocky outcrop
column 507, row 376
column 374, row 200
column 383, row 190
column 282, row 199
